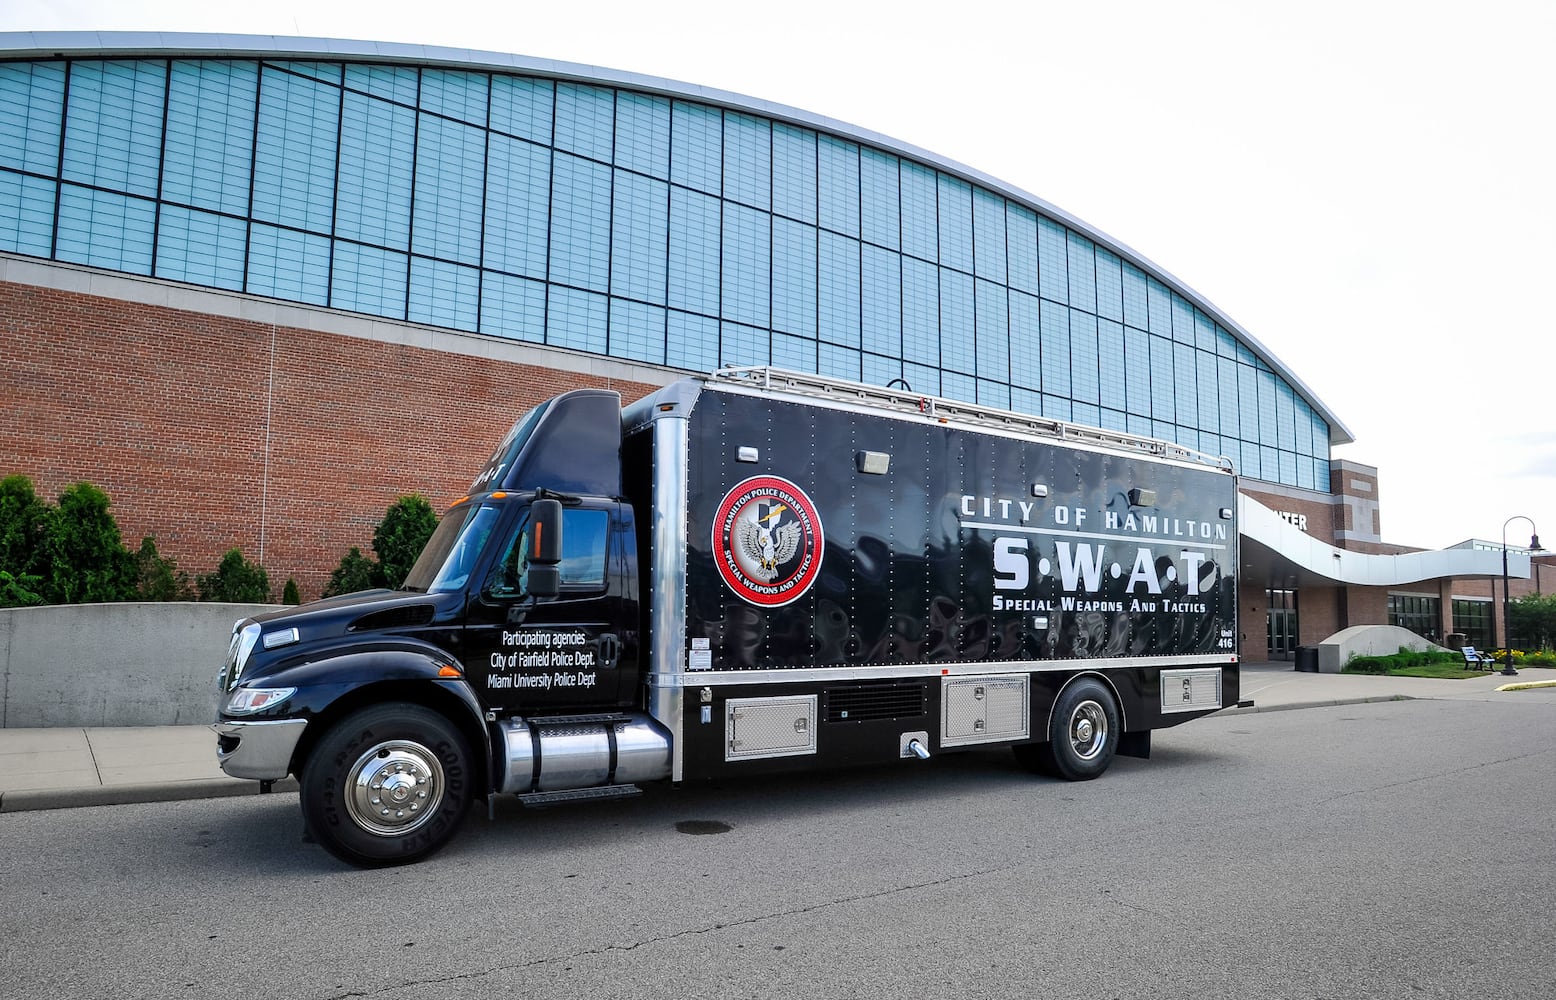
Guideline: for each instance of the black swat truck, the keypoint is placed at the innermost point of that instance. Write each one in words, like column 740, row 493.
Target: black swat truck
column 743, row 573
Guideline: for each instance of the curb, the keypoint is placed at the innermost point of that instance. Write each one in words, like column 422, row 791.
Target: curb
column 1326, row 703
column 37, row 799
column 1527, row 685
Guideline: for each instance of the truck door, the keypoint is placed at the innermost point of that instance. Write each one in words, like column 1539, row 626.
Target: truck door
column 526, row 654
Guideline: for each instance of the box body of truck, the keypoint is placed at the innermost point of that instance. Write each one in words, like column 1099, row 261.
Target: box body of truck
column 751, row 572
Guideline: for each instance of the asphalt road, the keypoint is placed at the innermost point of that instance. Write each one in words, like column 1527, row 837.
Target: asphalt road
column 1404, row 849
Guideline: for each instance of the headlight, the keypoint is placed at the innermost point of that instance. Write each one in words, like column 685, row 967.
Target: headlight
column 247, row 701
column 243, row 640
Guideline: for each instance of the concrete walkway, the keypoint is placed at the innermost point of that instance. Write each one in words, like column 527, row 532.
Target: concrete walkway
column 63, row 768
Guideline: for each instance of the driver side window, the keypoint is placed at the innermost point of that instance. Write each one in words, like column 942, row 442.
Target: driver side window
column 585, row 535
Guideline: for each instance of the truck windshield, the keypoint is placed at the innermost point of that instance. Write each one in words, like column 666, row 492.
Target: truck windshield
column 451, row 552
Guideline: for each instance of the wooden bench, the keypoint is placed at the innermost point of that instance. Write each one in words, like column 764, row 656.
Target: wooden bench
column 1477, row 661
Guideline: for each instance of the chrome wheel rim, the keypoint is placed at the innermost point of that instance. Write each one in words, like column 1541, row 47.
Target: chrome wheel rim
column 1088, row 730
column 394, row 788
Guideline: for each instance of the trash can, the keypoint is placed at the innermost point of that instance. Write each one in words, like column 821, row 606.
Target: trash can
column 1307, row 659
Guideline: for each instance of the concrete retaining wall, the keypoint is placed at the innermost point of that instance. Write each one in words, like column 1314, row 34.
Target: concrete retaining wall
column 1367, row 640
column 113, row 664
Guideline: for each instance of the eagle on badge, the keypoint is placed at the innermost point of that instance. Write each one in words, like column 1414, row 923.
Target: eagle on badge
column 769, row 545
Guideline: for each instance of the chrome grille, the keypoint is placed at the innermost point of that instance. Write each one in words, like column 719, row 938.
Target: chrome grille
column 868, row 702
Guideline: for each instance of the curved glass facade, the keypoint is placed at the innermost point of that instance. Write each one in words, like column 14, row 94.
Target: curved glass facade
column 622, row 223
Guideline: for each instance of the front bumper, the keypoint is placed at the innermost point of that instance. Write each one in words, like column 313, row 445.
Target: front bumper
column 261, row 749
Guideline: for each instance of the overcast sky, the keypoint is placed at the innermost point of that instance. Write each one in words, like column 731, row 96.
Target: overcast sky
column 1366, row 187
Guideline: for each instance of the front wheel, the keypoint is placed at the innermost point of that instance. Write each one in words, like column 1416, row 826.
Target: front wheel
column 387, row 785
column 1084, row 734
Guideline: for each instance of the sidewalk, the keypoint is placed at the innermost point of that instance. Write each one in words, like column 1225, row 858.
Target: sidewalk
column 64, row 768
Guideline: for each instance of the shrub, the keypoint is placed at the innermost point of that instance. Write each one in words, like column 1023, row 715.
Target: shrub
column 159, row 578
column 400, row 537
column 23, row 528
column 86, row 559
column 236, row 580
column 289, row 593
column 355, row 572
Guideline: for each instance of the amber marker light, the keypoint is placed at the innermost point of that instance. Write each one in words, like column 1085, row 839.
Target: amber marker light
column 447, row 671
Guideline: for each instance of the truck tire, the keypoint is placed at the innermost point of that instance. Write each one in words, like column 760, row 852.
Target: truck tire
column 1085, row 734
column 387, row 785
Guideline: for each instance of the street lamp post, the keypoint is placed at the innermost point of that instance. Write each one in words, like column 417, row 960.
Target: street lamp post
column 1507, row 601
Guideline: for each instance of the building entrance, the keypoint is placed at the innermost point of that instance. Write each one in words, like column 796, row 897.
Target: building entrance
column 1282, row 623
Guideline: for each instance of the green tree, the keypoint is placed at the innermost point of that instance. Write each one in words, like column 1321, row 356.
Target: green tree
column 1533, row 621
column 86, row 559
column 236, row 580
column 23, row 531
column 289, row 593
column 159, row 578
column 355, row 572
column 400, row 537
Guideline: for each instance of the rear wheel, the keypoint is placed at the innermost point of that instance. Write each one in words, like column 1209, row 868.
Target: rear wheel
column 1084, row 734
column 387, row 785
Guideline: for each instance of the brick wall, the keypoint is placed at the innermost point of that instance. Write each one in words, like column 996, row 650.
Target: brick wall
column 210, row 432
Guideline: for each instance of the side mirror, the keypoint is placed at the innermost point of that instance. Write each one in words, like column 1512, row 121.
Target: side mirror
column 545, row 549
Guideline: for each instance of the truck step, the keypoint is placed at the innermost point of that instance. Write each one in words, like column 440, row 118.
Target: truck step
column 576, row 720
column 540, row 800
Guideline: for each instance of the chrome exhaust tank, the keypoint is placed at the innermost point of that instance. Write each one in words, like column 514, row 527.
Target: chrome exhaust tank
column 582, row 752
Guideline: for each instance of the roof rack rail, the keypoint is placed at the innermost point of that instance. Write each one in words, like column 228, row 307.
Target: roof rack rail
column 765, row 377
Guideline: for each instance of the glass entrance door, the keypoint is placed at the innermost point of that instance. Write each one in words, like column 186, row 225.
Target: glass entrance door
column 1282, row 623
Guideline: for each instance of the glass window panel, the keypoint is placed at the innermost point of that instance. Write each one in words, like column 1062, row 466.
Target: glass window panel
column 1085, row 385
column 518, row 207
column 1026, row 353
column 455, row 94
column 444, row 294
column 294, row 159
column 1110, row 286
column 286, row 264
column 1269, row 463
column 1082, row 262
column 1268, row 429
column 103, row 229
column 513, row 307
column 1321, row 441
column 881, row 306
column 1245, row 356
column 1226, row 393
column 747, row 265
column 1110, row 364
column 955, row 223
column 923, row 378
column 377, row 141
column 1304, row 421
column 794, row 172
column 697, row 146
column 1162, row 377
column 1285, row 416
column 368, row 280
column 1159, row 299
column 26, row 214
column 879, row 370
column 838, row 290
column 795, row 353
column 1057, row 407
column 31, row 98
column 954, row 385
column 201, row 247
column 637, row 331
column 581, row 224
column 882, row 217
column 837, row 362
column 576, row 319
column 325, row 72
column 748, row 160
column 920, row 232
column 794, row 277
column 450, row 179
column 210, row 135
column 1026, row 401
column 1209, row 417
column 1137, row 311
column 1137, row 373
column 113, row 132
column 1288, row 468
column 693, row 342
column 1021, row 248
column 640, row 225
column 1055, row 335
column 1113, row 420
column 1087, row 413
column 523, row 107
column 920, row 312
column 837, row 183
column 694, row 253
column 989, row 235
column 1226, row 344
column 743, row 345
column 392, row 83
column 1182, row 320
column 1138, row 424
column 643, row 134
column 1204, row 332
column 993, row 328
column 1248, row 393
column 991, row 393
column 585, row 120
column 1185, row 383
column 958, row 341
column 1321, row 474
column 1053, row 259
